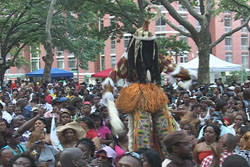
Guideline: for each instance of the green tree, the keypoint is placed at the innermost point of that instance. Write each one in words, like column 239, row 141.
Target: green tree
column 172, row 46
column 202, row 37
column 129, row 13
column 22, row 23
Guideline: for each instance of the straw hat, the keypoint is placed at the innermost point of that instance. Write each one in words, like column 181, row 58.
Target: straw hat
column 80, row 132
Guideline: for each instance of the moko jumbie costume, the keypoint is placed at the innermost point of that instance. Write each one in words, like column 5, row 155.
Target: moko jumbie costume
column 144, row 100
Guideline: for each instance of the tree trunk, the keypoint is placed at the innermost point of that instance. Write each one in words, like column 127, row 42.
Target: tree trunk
column 203, row 70
column 1, row 76
column 204, row 39
column 49, row 58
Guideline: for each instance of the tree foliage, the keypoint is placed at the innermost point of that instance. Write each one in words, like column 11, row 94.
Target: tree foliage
column 172, row 44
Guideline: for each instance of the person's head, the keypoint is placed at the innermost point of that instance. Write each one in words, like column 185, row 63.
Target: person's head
column 6, row 155
column 221, row 105
column 245, row 141
column 97, row 118
column 246, row 94
column 69, row 135
column 188, row 129
column 87, row 146
column 3, row 125
column 86, row 123
column 235, row 160
column 65, row 117
column 41, row 123
column 18, row 121
column 37, row 137
column 18, row 110
column 239, row 119
column 104, row 111
column 179, row 144
column 130, row 159
column 196, row 108
column 10, row 108
column 72, row 157
column 228, row 141
column 12, row 138
column 95, row 100
column 105, row 157
column 70, row 132
column 186, row 98
column 23, row 160
column 150, row 157
column 225, row 96
column 86, row 108
column 211, row 133
column 242, row 131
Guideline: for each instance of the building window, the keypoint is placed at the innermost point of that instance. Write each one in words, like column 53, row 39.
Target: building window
column 35, row 64
column 161, row 35
column 60, row 62
column 184, row 16
column 113, row 61
column 184, row 59
column 126, row 41
column 244, row 29
column 101, row 24
column 244, row 42
column 72, row 63
column 228, row 43
column 103, row 62
column 112, row 20
column 229, row 57
column 35, row 52
column 245, row 60
column 35, row 58
column 113, row 46
column 161, row 24
column 228, row 23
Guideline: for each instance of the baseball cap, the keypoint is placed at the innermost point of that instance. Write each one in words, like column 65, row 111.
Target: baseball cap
column 63, row 99
column 109, row 152
column 177, row 137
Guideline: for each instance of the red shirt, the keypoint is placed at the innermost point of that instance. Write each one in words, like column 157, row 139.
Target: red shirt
column 91, row 134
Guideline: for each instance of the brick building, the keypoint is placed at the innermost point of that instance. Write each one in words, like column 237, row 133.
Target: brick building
column 233, row 49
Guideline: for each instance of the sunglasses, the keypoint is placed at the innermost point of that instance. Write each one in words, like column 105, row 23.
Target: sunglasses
column 134, row 155
column 102, row 156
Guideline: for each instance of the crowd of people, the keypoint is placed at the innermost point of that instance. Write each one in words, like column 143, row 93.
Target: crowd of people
column 213, row 127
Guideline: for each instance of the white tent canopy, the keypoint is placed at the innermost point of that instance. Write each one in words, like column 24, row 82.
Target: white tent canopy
column 216, row 65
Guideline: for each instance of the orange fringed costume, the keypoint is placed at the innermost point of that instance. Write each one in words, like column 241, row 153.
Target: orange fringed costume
column 144, row 100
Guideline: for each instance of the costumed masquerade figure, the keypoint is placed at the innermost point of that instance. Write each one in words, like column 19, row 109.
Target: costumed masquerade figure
column 144, row 100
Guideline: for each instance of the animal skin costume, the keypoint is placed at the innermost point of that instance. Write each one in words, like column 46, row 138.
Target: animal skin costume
column 144, row 100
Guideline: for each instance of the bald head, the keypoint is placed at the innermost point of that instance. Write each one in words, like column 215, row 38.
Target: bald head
column 229, row 141
column 72, row 157
column 128, row 160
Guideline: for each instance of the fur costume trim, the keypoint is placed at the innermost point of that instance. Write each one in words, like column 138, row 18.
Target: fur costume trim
column 108, row 81
column 115, row 121
column 148, row 97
